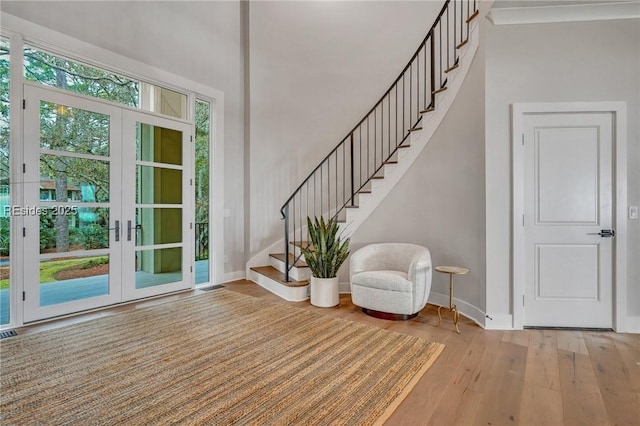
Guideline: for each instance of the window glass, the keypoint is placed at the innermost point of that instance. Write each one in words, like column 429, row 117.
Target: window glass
column 56, row 71
column 164, row 101
column 202, row 231
column 70, row 75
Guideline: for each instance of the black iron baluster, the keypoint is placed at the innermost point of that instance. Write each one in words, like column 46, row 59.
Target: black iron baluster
column 440, row 58
column 424, row 57
column 344, row 173
column 368, row 149
column 396, row 117
column 336, row 183
column 360, row 156
column 454, row 29
column 382, row 132
column 403, row 105
column 433, row 68
column 418, row 85
column 448, row 42
column 353, row 191
column 411, row 96
column 389, row 126
column 375, row 139
column 286, row 242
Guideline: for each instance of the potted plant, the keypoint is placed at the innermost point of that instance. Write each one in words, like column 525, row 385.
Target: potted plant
column 324, row 256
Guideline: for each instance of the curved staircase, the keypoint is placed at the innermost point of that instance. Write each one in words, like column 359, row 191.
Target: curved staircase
column 364, row 167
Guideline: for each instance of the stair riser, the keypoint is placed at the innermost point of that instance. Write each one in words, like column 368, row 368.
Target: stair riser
column 292, row 294
column 298, row 274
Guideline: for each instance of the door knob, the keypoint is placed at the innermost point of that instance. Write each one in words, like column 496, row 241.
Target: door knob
column 605, row 233
column 117, row 229
column 129, row 228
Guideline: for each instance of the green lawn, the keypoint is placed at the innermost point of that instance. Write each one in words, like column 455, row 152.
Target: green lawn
column 49, row 269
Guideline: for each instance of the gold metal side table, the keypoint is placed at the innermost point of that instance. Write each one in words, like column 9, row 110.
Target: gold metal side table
column 451, row 270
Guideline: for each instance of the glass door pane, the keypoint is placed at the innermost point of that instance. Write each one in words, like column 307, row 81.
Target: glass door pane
column 156, row 223
column 72, row 172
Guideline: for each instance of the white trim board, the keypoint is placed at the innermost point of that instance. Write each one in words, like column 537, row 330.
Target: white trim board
column 619, row 111
column 564, row 13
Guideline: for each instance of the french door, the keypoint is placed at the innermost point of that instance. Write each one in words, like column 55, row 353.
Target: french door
column 105, row 192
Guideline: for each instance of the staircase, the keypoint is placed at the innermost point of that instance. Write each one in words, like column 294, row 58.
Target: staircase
column 363, row 168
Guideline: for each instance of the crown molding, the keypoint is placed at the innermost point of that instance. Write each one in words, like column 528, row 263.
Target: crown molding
column 564, row 13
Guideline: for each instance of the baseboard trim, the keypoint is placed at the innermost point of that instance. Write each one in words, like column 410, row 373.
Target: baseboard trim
column 499, row 322
column 468, row 310
column 233, row 276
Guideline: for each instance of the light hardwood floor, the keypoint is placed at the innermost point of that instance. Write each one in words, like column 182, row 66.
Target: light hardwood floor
column 530, row 377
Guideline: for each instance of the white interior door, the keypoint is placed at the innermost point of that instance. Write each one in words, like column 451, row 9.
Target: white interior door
column 568, row 212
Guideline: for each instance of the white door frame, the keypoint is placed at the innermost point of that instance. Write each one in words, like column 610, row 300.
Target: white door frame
column 619, row 113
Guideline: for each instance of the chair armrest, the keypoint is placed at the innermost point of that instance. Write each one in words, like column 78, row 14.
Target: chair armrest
column 420, row 267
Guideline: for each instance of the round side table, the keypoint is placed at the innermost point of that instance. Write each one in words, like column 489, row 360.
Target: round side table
column 451, row 270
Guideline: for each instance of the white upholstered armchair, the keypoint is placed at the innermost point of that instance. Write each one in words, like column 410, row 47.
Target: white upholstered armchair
column 391, row 280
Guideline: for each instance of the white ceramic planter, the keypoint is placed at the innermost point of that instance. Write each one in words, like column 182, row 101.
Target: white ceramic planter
column 324, row 292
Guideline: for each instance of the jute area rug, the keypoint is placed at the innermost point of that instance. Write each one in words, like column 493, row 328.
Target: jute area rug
column 219, row 358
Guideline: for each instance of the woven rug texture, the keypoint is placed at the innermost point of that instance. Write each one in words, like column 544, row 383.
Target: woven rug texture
column 219, row 358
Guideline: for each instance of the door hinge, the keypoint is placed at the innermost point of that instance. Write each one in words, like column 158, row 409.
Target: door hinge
column 24, row 168
column 522, row 220
column 24, row 232
column 523, row 300
column 24, row 104
column 523, row 139
column 191, row 268
column 191, row 225
column 191, row 137
column 24, row 296
column 190, row 182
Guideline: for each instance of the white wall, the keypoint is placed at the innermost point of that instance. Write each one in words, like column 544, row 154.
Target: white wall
column 197, row 40
column 316, row 70
column 580, row 61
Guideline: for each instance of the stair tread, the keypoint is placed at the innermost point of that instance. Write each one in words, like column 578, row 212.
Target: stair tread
column 274, row 274
column 430, row 109
column 281, row 257
column 473, row 16
column 442, row 89
column 304, row 244
column 415, row 129
column 351, row 207
column 452, row 67
column 462, row 44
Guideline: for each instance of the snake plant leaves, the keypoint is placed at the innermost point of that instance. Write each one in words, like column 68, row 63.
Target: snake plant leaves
column 327, row 251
